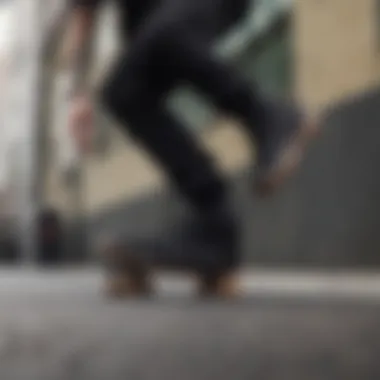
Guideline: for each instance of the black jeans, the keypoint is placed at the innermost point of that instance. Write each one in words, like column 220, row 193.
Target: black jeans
column 171, row 46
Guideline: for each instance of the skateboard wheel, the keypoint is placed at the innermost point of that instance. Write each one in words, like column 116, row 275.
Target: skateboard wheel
column 125, row 285
column 127, row 274
column 223, row 285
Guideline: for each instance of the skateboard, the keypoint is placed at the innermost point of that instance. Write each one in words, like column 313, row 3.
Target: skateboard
column 130, row 268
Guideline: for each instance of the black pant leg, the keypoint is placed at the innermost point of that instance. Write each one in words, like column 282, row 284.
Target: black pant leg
column 140, row 108
column 167, row 49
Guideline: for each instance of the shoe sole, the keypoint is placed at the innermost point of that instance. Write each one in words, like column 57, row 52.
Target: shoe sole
column 288, row 161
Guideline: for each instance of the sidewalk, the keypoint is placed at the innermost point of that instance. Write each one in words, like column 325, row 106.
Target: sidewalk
column 55, row 326
column 312, row 285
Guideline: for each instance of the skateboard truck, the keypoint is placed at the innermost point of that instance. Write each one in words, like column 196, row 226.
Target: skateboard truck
column 130, row 268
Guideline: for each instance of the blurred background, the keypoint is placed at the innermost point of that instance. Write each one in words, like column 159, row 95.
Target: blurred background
column 324, row 53
column 54, row 204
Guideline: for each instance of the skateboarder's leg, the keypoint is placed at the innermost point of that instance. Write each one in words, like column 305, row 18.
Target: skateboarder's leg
column 165, row 51
column 207, row 242
column 138, row 105
column 281, row 132
column 181, row 41
column 135, row 93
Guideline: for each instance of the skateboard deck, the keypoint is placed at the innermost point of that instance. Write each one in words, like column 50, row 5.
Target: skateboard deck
column 130, row 268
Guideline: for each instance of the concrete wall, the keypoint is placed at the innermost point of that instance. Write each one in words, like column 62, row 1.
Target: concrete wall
column 328, row 216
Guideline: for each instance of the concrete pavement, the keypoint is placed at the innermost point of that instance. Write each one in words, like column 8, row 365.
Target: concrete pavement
column 56, row 325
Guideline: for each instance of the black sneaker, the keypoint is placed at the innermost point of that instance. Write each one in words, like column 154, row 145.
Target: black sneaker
column 284, row 136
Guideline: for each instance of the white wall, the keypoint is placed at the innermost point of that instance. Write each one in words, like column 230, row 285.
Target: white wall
column 6, row 44
column 14, row 54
